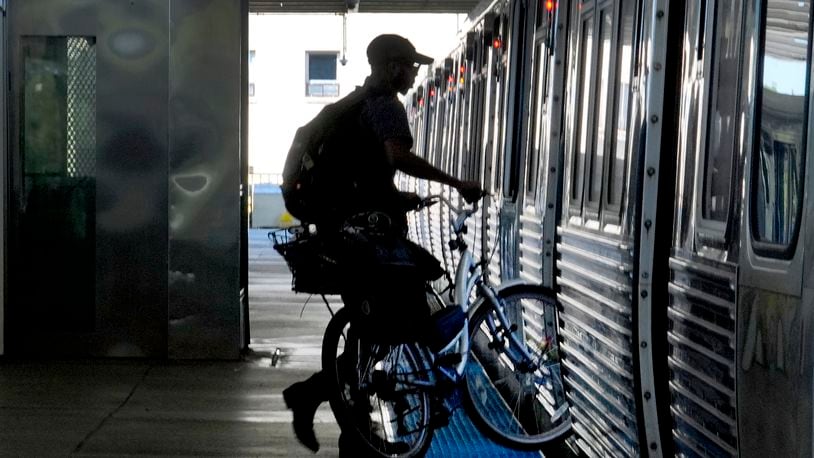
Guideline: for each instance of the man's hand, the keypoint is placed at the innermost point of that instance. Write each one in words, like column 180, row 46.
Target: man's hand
column 471, row 191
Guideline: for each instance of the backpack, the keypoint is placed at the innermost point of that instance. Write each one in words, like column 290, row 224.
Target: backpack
column 309, row 186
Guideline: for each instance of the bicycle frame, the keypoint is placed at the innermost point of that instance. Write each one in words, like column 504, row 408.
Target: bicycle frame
column 469, row 278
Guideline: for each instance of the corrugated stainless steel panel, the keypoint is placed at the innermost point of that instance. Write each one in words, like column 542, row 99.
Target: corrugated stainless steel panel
column 604, row 433
column 601, row 363
column 530, row 248
column 702, row 362
column 689, row 429
column 598, row 340
column 204, row 208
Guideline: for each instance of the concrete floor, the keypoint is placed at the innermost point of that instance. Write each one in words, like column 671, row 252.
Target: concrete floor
column 202, row 408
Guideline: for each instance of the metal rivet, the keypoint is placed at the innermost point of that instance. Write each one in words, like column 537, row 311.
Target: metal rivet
column 647, row 224
column 653, row 446
column 645, row 275
column 654, row 119
column 644, row 344
column 647, row 396
column 644, row 293
column 660, row 14
column 553, row 169
column 657, row 66
column 550, row 205
column 651, row 171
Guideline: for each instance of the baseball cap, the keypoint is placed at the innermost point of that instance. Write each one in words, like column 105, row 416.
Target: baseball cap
column 390, row 47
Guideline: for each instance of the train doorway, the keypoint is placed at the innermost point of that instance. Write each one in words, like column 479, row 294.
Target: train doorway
column 319, row 68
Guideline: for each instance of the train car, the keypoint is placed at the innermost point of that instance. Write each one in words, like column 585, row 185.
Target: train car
column 647, row 160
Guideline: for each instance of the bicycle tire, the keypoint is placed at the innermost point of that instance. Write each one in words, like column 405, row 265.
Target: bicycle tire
column 382, row 412
column 498, row 391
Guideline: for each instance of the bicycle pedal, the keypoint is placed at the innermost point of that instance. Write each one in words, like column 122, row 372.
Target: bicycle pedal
column 440, row 417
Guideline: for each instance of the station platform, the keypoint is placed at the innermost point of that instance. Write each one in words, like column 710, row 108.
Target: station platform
column 122, row 408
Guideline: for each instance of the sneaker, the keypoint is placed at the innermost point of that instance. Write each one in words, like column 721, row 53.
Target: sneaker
column 304, row 406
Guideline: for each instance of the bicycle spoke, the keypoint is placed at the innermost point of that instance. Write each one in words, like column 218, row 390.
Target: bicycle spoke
column 514, row 391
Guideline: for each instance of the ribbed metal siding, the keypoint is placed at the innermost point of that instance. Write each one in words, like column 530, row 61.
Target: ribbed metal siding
column 597, row 342
column 702, row 358
column 531, row 248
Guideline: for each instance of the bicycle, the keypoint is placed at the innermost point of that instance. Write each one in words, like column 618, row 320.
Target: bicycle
column 392, row 395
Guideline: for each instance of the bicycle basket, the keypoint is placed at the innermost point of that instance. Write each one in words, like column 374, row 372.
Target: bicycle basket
column 314, row 270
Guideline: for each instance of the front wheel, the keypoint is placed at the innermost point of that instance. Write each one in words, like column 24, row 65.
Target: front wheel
column 514, row 388
column 378, row 391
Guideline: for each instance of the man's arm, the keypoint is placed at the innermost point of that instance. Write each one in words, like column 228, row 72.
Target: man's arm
column 398, row 152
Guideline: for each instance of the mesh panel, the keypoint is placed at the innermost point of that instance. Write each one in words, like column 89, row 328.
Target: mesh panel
column 81, row 125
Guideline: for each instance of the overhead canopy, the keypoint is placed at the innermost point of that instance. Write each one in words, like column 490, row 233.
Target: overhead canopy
column 365, row 6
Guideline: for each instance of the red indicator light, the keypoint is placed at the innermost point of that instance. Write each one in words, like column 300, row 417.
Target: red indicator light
column 496, row 43
column 451, row 78
column 463, row 69
column 549, row 5
column 432, row 92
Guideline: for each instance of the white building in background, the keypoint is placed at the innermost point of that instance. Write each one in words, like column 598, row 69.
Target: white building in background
column 299, row 63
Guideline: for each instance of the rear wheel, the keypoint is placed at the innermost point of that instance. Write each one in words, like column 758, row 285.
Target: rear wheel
column 514, row 388
column 378, row 395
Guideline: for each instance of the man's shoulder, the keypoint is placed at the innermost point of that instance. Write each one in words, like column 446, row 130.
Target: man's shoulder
column 382, row 104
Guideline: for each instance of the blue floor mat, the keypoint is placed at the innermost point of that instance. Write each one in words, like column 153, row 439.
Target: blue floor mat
column 461, row 438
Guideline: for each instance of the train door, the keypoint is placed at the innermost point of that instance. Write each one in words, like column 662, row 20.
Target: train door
column 542, row 160
column 703, row 264
column 775, row 315
column 454, row 70
column 497, row 24
column 609, row 129
column 479, row 42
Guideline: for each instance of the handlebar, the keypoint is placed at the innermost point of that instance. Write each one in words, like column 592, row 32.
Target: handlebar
column 462, row 212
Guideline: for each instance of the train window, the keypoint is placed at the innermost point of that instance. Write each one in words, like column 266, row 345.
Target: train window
column 476, row 137
column 604, row 79
column 617, row 161
column 538, row 126
column 723, row 110
column 583, row 116
column 780, row 133
column 58, row 129
column 499, row 107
